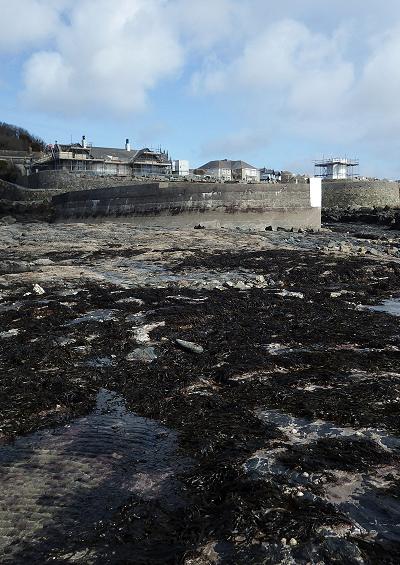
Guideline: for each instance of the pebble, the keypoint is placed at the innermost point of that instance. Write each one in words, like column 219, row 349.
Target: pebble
column 293, row 542
column 38, row 289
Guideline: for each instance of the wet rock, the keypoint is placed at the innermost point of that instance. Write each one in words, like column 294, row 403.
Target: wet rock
column 100, row 362
column 95, row 316
column 143, row 354
column 189, row 346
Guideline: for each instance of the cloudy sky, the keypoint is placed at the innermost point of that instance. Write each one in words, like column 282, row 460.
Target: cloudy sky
column 274, row 82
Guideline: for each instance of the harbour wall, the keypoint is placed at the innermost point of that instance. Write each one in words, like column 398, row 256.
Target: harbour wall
column 359, row 193
column 185, row 204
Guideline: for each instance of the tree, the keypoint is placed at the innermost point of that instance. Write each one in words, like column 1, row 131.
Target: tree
column 14, row 138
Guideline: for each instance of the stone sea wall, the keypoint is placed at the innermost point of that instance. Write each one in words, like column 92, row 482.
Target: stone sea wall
column 368, row 194
column 255, row 206
column 66, row 181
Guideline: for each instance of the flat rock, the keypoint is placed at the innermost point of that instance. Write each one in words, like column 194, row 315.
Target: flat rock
column 143, row 354
column 45, row 262
column 7, row 220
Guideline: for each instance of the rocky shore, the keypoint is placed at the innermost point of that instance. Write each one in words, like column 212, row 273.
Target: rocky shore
column 386, row 216
column 199, row 396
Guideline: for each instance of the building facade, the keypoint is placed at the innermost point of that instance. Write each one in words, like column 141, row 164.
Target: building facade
column 226, row 170
column 84, row 157
column 180, row 168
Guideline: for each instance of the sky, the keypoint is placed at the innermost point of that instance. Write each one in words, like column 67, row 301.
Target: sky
column 277, row 83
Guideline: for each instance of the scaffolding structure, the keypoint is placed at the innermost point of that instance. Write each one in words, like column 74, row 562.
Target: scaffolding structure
column 334, row 168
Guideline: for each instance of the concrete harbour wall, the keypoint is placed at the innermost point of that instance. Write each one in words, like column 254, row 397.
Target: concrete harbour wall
column 368, row 194
column 254, row 206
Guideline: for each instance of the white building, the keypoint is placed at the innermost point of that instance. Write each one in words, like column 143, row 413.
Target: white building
column 336, row 168
column 231, row 170
column 180, row 167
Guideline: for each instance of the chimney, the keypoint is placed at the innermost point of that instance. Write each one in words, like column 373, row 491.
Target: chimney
column 127, row 145
column 84, row 145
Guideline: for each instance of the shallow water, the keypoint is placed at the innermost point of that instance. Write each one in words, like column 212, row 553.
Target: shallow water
column 56, row 484
column 391, row 306
column 359, row 495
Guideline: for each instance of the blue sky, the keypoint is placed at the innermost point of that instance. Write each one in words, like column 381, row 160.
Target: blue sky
column 274, row 83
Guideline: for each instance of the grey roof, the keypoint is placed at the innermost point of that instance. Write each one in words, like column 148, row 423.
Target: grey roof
column 226, row 164
column 107, row 152
column 241, row 165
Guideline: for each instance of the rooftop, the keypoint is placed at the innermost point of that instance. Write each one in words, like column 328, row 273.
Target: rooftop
column 227, row 164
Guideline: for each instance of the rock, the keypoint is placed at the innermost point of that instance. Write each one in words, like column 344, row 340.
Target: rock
column 141, row 333
column 13, row 267
column 339, row 293
column 288, row 293
column 293, row 542
column 143, row 354
column 9, row 333
column 7, row 220
column 373, row 251
column 189, row 346
column 269, row 228
column 38, row 289
column 130, row 299
column 43, row 262
column 241, row 285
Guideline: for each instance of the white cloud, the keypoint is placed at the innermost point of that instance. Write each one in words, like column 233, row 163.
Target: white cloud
column 107, row 58
column 27, row 23
column 287, row 65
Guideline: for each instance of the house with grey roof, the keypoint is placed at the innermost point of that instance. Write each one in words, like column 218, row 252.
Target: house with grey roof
column 84, row 157
column 226, row 169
